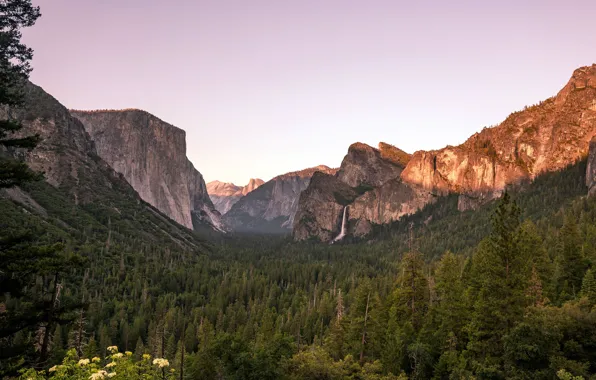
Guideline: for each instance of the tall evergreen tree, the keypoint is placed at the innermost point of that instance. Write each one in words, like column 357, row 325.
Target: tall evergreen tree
column 588, row 289
column 502, row 272
column 14, row 71
column 570, row 257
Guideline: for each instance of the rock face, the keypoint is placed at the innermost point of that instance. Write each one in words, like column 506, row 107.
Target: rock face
column 369, row 184
column 366, row 165
column 320, row 208
column 591, row 168
column 151, row 155
column 272, row 206
column 85, row 188
column 545, row 137
column 225, row 194
column 65, row 148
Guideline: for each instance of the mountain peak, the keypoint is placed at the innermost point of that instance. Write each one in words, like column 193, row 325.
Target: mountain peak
column 358, row 146
column 394, row 154
column 253, row 183
column 307, row 173
column 225, row 194
column 581, row 79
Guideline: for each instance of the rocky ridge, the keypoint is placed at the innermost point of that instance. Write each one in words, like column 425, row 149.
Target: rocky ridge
column 545, row 137
column 151, row 155
column 272, row 206
column 79, row 186
column 369, row 184
column 225, row 194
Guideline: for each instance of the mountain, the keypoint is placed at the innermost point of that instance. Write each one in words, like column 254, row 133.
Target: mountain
column 151, row 155
column 272, row 206
column 225, row 194
column 545, row 137
column 368, row 183
column 82, row 197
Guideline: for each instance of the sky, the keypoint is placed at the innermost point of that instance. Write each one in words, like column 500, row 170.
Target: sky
column 264, row 87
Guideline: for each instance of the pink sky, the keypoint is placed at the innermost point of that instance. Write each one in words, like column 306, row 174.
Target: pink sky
column 267, row 87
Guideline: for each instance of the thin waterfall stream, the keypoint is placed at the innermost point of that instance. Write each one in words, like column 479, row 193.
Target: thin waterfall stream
column 342, row 232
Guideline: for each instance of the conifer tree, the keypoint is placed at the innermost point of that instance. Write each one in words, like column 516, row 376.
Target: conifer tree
column 588, row 289
column 14, row 71
column 571, row 257
column 502, row 273
column 451, row 308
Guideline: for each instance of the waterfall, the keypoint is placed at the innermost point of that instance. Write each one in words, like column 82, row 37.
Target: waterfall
column 342, row 232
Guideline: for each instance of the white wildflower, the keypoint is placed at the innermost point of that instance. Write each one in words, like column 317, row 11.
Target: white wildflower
column 110, row 365
column 113, row 349
column 98, row 375
column 161, row 362
column 112, row 374
column 53, row 369
column 96, row 359
column 117, row 355
column 83, row 361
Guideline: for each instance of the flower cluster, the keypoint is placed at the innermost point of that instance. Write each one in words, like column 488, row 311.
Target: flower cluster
column 98, row 375
column 161, row 362
column 115, row 365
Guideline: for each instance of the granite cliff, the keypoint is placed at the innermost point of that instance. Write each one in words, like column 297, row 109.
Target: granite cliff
column 544, row 137
column 151, row 155
column 225, row 194
column 272, row 206
column 81, row 193
column 368, row 183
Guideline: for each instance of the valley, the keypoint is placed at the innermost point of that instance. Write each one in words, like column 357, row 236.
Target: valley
column 118, row 260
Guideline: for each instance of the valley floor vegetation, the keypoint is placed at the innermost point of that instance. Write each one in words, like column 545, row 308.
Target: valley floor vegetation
column 518, row 304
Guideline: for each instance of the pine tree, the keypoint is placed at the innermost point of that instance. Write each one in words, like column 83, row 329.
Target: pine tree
column 451, row 308
column 502, row 275
column 571, row 257
column 534, row 291
column 588, row 289
column 407, row 306
column 412, row 295
column 139, row 349
column 14, row 71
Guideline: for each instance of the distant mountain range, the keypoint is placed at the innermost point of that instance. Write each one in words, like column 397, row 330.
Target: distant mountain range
column 225, row 194
column 372, row 186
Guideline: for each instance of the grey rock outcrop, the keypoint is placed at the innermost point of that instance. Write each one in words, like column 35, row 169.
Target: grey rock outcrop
column 151, row 155
column 369, row 184
column 80, row 187
column 65, row 147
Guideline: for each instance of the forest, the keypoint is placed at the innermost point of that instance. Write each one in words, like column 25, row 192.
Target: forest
column 507, row 291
